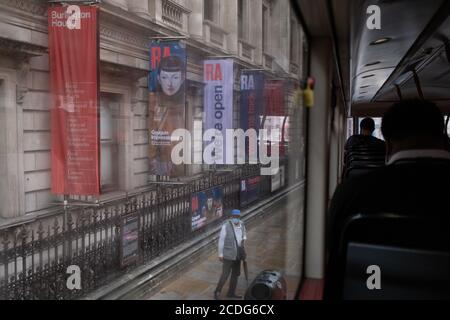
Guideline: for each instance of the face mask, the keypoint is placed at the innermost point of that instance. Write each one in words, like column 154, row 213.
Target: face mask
column 235, row 220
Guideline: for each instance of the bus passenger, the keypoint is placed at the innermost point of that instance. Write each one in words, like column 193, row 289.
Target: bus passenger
column 416, row 179
column 365, row 142
column 366, row 138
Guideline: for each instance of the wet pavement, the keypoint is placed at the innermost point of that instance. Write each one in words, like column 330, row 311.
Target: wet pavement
column 274, row 241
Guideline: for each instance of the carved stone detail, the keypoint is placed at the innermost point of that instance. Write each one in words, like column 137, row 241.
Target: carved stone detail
column 20, row 50
column 119, row 35
column 37, row 7
column 22, row 73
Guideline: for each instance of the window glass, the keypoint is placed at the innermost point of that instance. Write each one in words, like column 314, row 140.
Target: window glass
column 115, row 144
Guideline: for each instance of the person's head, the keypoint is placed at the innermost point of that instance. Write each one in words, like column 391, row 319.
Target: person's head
column 235, row 215
column 367, row 126
column 413, row 124
column 170, row 75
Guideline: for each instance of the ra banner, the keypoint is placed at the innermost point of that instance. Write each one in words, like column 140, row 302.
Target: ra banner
column 274, row 112
column 206, row 206
column 167, row 104
column 252, row 97
column 74, row 56
column 218, row 104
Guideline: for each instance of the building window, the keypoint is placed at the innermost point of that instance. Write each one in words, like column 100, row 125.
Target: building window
column 208, row 10
column 265, row 28
column 109, row 148
column 294, row 41
column 241, row 20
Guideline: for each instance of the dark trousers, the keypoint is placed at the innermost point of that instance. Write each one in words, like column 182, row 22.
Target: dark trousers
column 233, row 266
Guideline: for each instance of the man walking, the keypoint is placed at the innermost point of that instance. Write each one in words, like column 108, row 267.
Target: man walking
column 231, row 252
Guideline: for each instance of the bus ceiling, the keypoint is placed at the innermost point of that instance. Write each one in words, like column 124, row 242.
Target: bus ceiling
column 408, row 57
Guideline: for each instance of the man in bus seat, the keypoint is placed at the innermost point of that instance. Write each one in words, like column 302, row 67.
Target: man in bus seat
column 366, row 138
column 415, row 180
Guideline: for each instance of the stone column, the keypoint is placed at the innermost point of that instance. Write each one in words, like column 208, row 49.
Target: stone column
column 228, row 17
column 196, row 18
column 255, row 28
column 279, row 33
column 11, row 150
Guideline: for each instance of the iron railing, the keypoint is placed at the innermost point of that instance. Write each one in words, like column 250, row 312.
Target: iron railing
column 35, row 256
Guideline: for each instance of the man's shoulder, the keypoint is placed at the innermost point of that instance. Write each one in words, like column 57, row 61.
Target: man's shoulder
column 390, row 184
column 376, row 141
column 359, row 140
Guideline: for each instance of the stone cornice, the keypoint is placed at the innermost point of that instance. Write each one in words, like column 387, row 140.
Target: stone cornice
column 124, row 36
column 20, row 50
column 36, row 7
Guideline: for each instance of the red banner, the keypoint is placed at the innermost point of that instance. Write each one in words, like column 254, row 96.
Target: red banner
column 274, row 111
column 74, row 55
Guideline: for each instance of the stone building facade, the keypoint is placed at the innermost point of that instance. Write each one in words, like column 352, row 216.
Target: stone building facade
column 257, row 34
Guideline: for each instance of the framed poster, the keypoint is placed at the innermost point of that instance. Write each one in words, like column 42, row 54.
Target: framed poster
column 129, row 240
column 206, row 206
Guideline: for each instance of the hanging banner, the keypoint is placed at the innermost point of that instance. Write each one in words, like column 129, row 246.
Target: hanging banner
column 166, row 104
column 74, row 56
column 274, row 114
column 218, row 102
column 252, row 98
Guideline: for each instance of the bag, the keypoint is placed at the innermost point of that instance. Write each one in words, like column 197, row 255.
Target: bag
column 241, row 254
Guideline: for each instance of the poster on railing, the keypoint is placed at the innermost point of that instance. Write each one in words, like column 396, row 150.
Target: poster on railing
column 129, row 244
column 218, row 104
column 74, row 82
column 274, row 113
column 251, row 100
column 166, row 104
column 250, row 190
column 206, row 206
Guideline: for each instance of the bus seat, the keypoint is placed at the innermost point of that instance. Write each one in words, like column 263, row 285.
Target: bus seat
column 412, row 254
column 361, row 167
column 361, row 160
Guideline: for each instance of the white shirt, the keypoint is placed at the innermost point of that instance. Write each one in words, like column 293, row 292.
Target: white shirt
column 239, row 236
column 419, row 153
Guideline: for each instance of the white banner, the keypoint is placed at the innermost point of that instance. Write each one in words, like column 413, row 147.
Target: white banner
column 218, row 103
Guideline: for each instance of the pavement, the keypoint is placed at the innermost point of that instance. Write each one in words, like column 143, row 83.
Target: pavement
column 274, row 241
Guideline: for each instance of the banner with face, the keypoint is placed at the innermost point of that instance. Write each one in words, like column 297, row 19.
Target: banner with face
column 166, row 104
